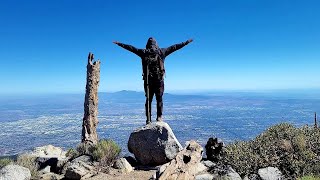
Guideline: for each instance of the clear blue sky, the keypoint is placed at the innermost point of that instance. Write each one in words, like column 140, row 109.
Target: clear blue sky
column 238, row 44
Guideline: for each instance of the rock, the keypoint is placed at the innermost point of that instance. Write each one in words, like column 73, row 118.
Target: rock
column 51, row 176
column 81, row 167
column 231, row 174
column 213, row 149
column 186, row 163
column 48, row 151
column 160, row 170
column 90, row 118
column 44, row 162
column 206, row 176
column 270, row 173
column 224, row 172
column 51, row 156
column 208, row 163
column 154, row 144
column 200, row 167
column 14, row 172
column 253, row 177
column 131, row 160
column 45, row 170
column 123, row 165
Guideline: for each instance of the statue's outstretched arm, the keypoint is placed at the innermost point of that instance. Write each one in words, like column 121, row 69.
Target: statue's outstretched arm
column 130, row 48
column 171, row 49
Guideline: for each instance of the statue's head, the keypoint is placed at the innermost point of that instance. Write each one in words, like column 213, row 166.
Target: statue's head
column 152, row 43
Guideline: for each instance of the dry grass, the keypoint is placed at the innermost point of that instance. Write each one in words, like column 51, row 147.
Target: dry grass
column 5, row 161
column 30, row 163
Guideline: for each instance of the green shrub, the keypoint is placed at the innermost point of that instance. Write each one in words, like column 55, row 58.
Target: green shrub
column 85, row 149
column 4, row 162
column 72, row 153
column 309, row 178
column 29, row 162
column 293, row 150
column 106, row 151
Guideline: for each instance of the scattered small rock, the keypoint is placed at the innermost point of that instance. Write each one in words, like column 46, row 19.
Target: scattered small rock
column 123, row 165
column 131, row 160
column 45, row 170
column 206, row 176
column 208, row 163
column 81, row 167
column 51, row 176
column 231, row 174
column 270, row 173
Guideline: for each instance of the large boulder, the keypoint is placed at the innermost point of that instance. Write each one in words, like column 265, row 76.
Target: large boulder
column 186, row 164
column 14, row 172
column 80, row 168
column 154, row 144
column 270, row 173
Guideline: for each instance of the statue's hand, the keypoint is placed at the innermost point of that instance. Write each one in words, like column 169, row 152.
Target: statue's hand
column 190, row 40
column 116, row 42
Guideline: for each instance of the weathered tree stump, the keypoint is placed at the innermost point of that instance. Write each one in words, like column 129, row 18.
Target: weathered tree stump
column 90, row 118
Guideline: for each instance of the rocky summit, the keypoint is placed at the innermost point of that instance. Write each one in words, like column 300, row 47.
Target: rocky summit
column 154, row 144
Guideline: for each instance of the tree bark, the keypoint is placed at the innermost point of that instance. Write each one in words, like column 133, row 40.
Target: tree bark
column 90, row 118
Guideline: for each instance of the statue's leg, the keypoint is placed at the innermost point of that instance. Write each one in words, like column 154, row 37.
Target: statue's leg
column 159, row 93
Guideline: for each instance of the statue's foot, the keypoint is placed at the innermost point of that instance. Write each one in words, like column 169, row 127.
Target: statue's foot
column 148, row 122
column 159, row 119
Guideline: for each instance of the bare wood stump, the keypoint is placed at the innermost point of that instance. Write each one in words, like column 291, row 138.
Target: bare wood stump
column 90, row 118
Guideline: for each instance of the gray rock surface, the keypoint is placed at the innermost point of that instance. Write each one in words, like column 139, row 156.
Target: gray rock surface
column 14, row 172
column 48, row 151
column 186, row 164
column 80, row 167
column 208, row 163
column 154, row 144
column 270, row 173
column 205, row 176
column 123, row 165
column 45, row 170
column 49, row 155
column 232, row 175
column 51, row 176
column 90, row 118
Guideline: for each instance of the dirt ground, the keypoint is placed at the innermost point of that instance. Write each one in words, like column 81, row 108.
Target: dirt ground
column 133, row 175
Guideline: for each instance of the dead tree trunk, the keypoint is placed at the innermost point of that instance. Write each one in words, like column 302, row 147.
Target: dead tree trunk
column 90, row 118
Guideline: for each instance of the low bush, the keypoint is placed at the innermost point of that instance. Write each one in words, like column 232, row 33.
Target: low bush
column 295, row 151
column 106, row 151
column 4, row 162
column 309, row 178
column 72, row 153
column 29, row 162
column 85, row 149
